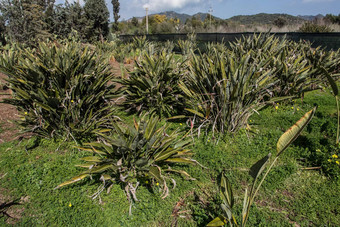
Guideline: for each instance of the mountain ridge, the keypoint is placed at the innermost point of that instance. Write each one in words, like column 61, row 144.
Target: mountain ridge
column 260, row 18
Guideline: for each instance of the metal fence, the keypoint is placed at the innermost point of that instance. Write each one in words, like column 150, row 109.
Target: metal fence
column 326, row 40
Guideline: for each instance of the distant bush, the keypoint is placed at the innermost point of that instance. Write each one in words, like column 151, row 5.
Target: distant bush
column 280, row 22
column 310, row 27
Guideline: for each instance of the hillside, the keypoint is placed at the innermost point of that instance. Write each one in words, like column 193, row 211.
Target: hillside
column 261, row 18
column 311, row 17
column 264, row 18
column 181, row 16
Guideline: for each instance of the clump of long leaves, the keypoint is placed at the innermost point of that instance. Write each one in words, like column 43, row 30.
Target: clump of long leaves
column 187, row 46
column 61, row 91
column 256, row 171
column 222, row 90
column 134, row 155
column 293, row 72
column 153, row 85
column 296, row 64
column 261, row 45
column 318, row 57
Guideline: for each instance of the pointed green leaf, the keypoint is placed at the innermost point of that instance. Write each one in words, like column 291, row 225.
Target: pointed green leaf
column 226, row 191
column 73, row 180
column 91, row 159
column 181, row 160
column 195, row 112
column 331, row 81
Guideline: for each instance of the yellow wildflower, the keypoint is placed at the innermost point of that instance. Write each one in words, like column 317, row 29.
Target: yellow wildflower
column 276, row 107
column 146, row 182
column 26, row 113
column 292, row 107
column 297, row 109
column 180, row 124
column 72, row 101
column 330, row 160
column 337, row 162
column 157, row 183
column 70, row 204
column 334, row 156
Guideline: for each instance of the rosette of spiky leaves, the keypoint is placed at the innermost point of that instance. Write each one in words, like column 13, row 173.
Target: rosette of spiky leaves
column 10, row 55
column 135, row 154
column 260, row 44
column 61, row 90
column 140, row 42
column 222, row 91
column 321, row 58
column 293, row 72
column 153, row 85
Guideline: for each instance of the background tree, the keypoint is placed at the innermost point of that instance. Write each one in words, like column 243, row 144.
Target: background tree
column 25, row 20
column 280, row 22
column 97, row 24
column 2, row 30
column 134, row 21
column 69, row 19
column 332, row 18
column 116, row 16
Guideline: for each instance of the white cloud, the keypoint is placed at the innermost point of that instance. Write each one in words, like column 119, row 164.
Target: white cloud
column 161, row 5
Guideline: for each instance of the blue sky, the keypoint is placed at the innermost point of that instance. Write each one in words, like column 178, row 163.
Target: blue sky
column 226, row 8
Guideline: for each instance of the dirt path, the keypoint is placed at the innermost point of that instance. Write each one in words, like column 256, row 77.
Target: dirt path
column 8, row 113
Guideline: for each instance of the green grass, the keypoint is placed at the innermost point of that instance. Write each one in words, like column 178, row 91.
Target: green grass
column 290, row 194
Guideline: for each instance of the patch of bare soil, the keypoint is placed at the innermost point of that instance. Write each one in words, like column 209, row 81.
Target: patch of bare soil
column 11, row 209
column 120, row 71
column 8, row 113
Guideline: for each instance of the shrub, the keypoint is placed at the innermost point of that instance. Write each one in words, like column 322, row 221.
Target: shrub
column 136, row 155
column 222, row 91
column 153, row 85
column 60, row 90
column 188, row 46
column 296, row 64
column 293, row 71
column 310, row 27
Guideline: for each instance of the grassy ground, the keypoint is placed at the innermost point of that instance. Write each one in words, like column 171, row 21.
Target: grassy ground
column 291, row 195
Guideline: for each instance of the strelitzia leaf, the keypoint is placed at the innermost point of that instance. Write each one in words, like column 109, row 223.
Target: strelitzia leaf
column 156, row 173
column 219, row 221
column 257, row 169
column 293, row 132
